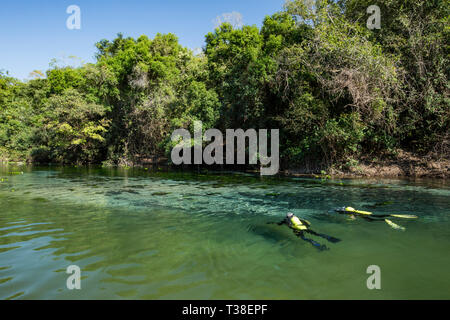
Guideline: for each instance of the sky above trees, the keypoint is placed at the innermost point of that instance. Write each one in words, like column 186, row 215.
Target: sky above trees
column 34, row 32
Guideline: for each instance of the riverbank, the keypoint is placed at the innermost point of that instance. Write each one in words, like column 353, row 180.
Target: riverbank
column 404, row 165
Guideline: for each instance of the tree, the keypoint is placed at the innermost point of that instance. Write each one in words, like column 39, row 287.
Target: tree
column 72, row 131
column 417, row 32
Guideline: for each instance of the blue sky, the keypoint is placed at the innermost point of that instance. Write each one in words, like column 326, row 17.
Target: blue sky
column 34, row 32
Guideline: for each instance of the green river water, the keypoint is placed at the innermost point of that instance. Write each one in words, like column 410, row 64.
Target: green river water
column 153, row 234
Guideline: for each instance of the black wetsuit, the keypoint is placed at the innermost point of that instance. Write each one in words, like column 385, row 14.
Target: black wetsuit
column 301, row 233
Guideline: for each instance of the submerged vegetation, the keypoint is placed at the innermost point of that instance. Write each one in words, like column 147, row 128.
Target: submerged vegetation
column 338, row 92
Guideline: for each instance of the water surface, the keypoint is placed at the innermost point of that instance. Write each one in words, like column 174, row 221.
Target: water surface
column 150, row 234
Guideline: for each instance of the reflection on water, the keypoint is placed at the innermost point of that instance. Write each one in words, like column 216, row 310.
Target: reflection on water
column 148, row 234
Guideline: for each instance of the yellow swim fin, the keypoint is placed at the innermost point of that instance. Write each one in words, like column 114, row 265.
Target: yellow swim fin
column 363, row 212
column 350, row 209
column 394, row 226
column 367, row 213
column 405, row 216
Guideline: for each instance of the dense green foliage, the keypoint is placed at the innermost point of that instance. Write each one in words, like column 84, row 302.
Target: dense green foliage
column 337, row 91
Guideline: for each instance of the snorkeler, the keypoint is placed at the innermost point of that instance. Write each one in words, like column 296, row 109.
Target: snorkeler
column 301, row 226
column 369, row 216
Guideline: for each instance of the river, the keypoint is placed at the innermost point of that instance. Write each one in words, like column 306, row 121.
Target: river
column 156, row 234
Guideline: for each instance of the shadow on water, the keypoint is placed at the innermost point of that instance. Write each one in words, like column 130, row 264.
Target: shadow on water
column 270, row 232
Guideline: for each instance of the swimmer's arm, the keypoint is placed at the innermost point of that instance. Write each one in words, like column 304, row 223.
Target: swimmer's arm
column 305, row 222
